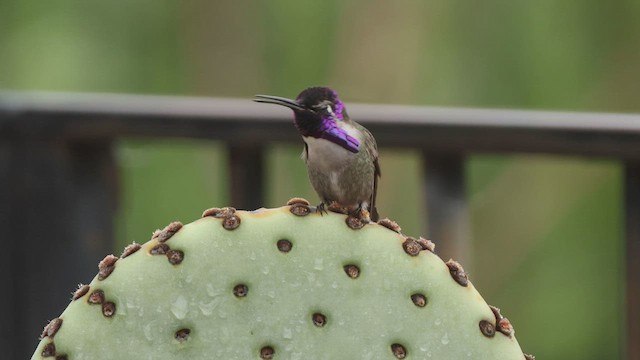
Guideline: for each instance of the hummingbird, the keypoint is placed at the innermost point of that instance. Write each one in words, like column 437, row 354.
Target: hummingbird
column 341, row 155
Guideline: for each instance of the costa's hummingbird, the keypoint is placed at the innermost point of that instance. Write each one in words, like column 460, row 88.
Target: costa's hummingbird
column 341, row 155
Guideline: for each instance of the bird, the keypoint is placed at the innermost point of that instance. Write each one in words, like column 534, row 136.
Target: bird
column 341, row 155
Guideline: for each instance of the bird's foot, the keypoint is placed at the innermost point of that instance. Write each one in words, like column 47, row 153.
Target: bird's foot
column 362, row 213
column 321, row 209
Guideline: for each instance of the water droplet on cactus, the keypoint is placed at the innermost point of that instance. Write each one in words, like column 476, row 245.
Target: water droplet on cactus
column 148, row 334
column 311, row 277
column 129, row 303
column 122, row 310
column 211, row 290
column 208, row 308
column 180, row 307
column 445, row 339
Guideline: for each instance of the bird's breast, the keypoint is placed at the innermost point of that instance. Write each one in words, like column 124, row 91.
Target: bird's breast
column 326, row 155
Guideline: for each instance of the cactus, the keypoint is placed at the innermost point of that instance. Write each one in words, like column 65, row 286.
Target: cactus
column 284, row 283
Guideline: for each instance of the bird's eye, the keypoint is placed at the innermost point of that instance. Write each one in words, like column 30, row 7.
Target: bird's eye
column 324, row 107
column 330, row 110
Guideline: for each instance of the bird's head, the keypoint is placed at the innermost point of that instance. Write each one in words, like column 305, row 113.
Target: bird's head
column 317, row 113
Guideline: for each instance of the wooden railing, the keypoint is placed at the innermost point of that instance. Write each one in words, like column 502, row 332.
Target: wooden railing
column 59, row 177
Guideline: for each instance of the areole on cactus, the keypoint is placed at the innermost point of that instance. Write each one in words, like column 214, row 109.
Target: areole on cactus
column 283, row 283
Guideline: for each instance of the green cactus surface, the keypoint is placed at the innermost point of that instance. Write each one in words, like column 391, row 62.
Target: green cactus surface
column 284, row 283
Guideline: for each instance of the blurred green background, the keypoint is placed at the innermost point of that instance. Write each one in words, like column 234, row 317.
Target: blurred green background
column 547, row 231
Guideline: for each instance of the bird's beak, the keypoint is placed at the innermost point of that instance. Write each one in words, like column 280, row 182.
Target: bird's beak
column 268, row 99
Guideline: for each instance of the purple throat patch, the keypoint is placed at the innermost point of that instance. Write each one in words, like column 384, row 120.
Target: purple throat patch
column 329, row 130
column 338, row 109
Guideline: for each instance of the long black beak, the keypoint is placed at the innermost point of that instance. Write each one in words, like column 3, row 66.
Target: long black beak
column 268, row 99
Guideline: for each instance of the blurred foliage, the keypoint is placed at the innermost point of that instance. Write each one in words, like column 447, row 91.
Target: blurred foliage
column 547, row 230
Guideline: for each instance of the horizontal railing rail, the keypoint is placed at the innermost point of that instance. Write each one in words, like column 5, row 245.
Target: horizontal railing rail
column 452, row 129
column 59, row 176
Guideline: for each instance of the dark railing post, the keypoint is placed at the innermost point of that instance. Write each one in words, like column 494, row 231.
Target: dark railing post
column 447, row 205
column 247, row 176
column 632, row 257
column 58, row 206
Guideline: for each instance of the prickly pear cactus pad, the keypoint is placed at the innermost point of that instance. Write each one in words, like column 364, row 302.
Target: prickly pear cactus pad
column 284, row 283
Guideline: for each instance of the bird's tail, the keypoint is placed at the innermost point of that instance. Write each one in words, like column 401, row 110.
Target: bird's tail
column 374, row 214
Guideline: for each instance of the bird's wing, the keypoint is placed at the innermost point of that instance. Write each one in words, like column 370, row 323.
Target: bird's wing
column 372, row 149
